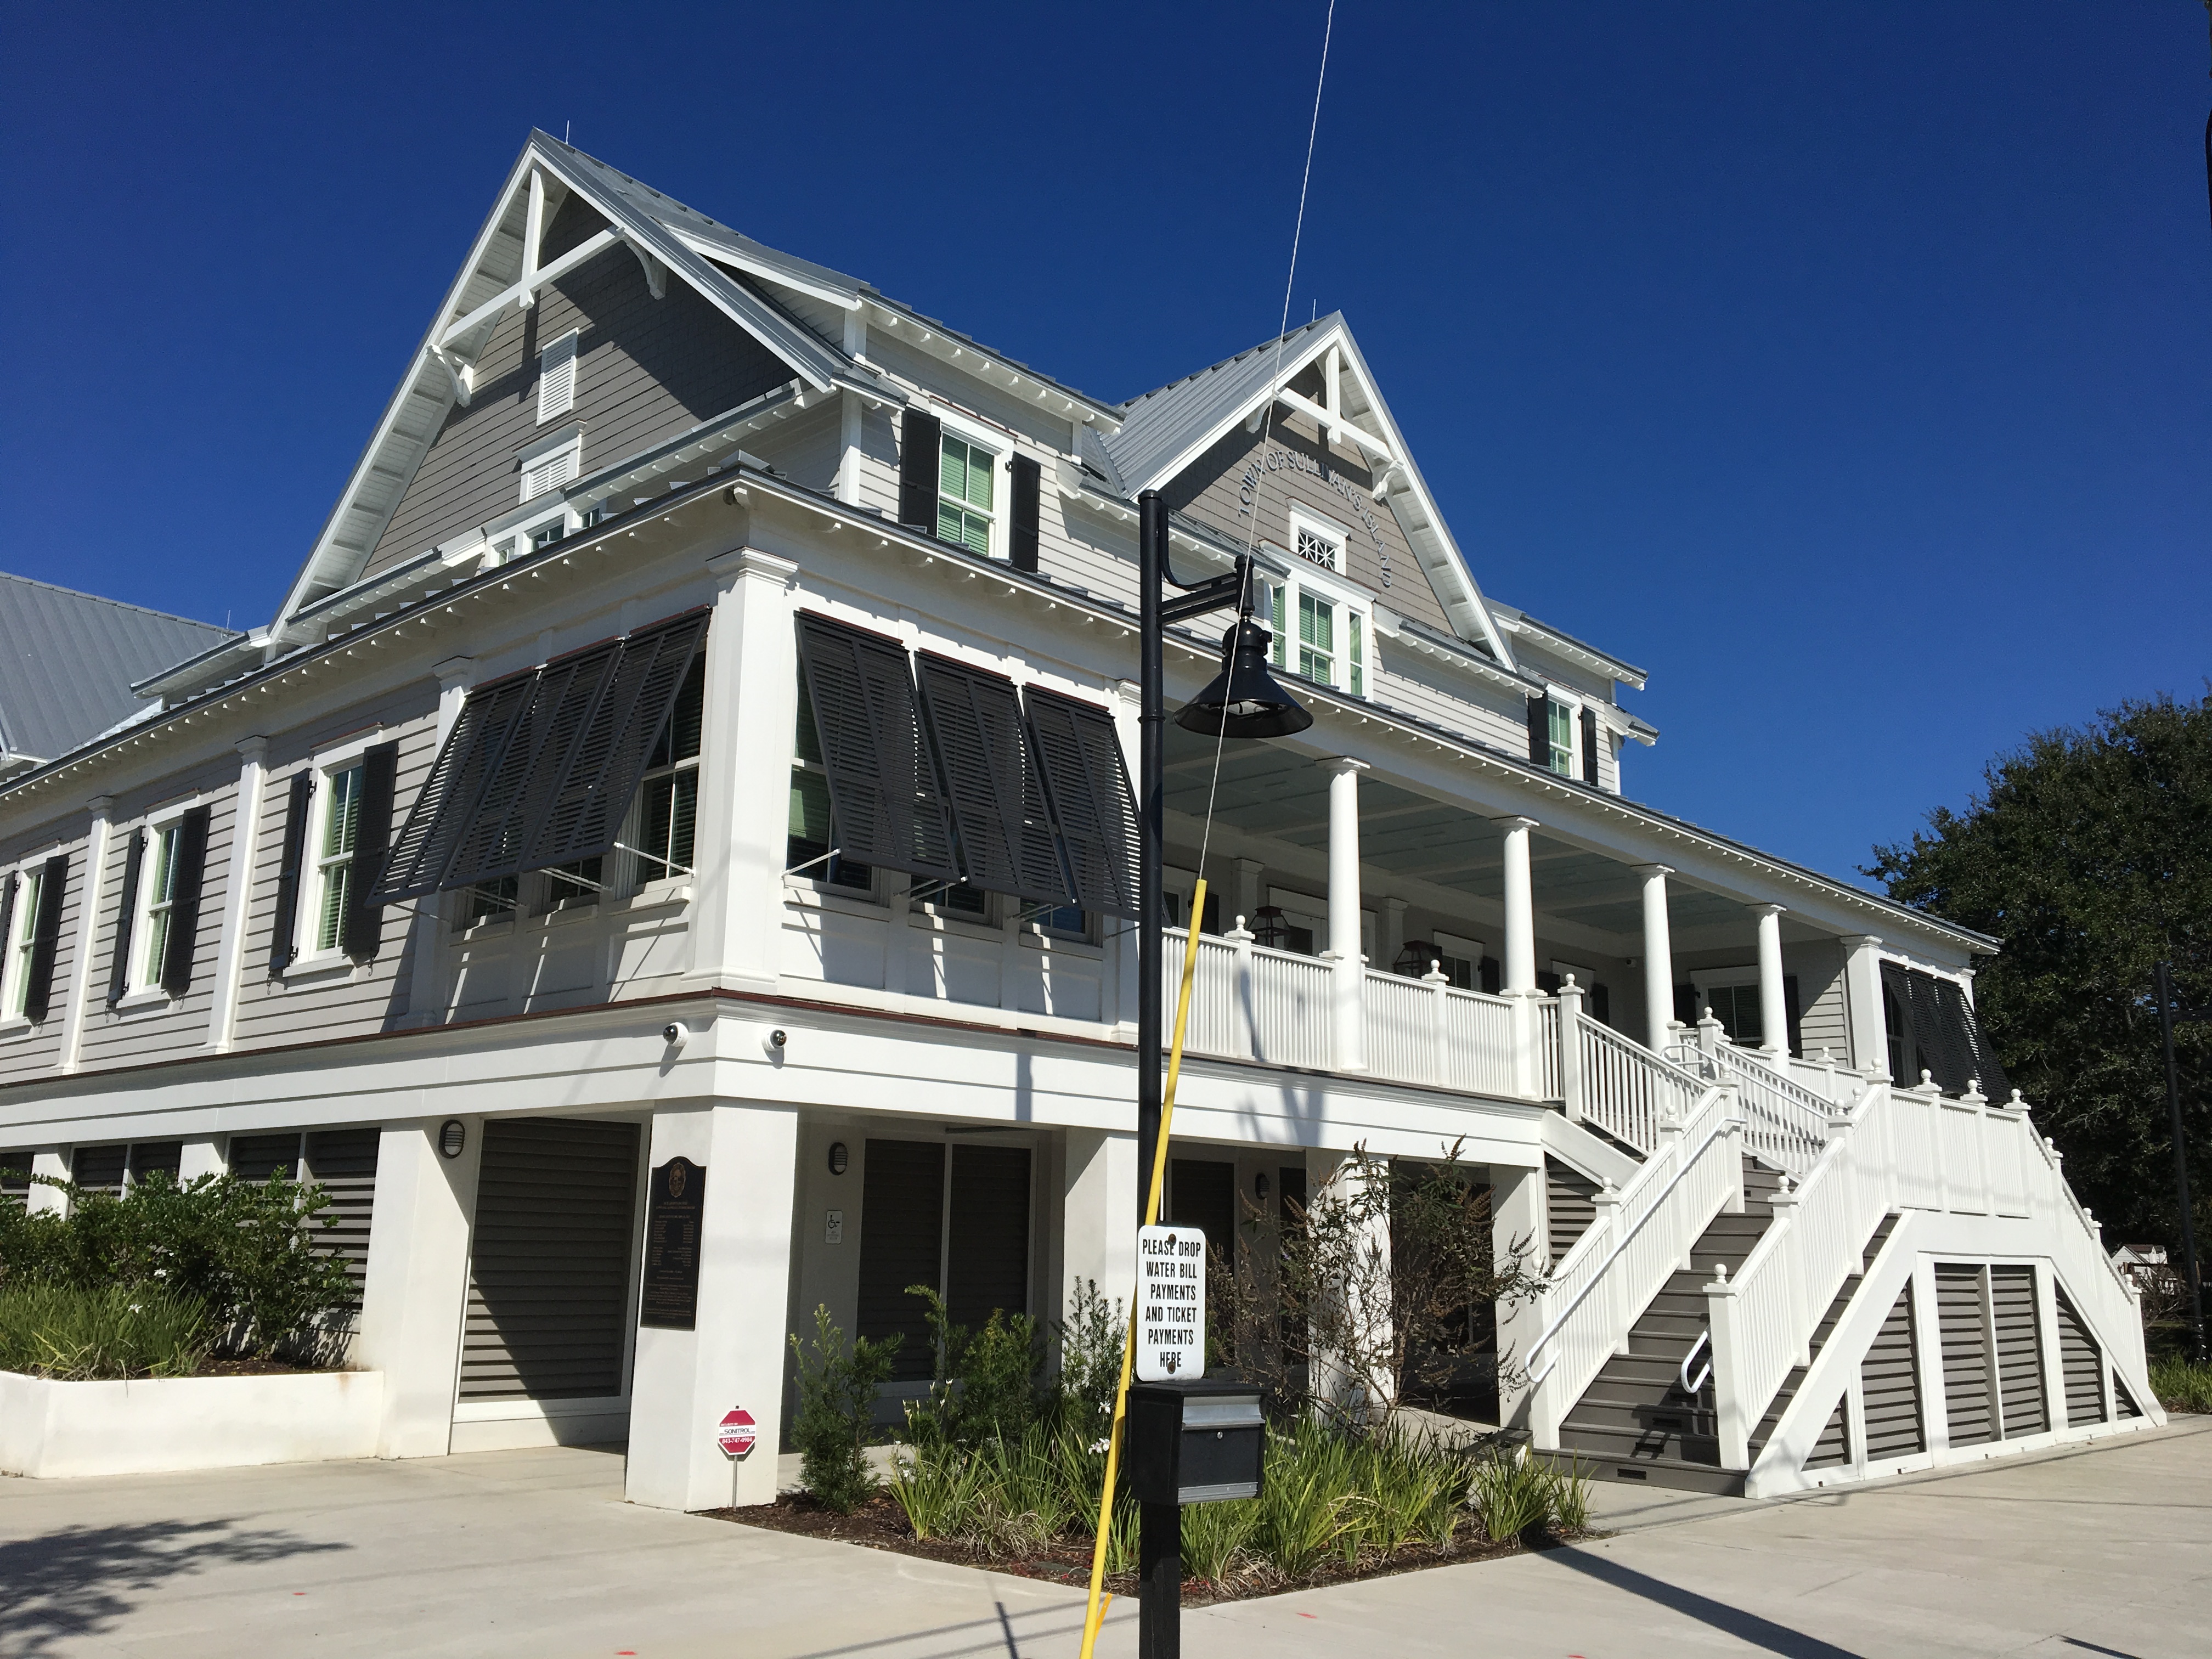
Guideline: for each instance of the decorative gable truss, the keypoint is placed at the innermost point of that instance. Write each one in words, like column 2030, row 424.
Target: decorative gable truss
column 504, row 270
column 1168, row 431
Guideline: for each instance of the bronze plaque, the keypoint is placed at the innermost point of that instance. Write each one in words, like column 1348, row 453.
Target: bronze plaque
column 670, row 1301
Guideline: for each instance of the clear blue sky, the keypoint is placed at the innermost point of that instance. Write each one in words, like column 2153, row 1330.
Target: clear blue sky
column 1845, row 367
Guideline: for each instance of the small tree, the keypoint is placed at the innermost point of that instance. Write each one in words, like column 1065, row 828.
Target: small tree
column 986, row 1382
column 837, row 1390
column 1380, row 1290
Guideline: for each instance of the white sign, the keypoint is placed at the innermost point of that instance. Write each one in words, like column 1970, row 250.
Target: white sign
column 1170, row 1303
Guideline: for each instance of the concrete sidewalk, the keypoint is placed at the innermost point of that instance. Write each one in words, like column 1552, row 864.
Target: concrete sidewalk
column 2079, row 1554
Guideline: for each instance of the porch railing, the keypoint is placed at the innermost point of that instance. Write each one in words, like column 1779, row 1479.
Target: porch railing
column 1626, row 1089
column 1784, row 1122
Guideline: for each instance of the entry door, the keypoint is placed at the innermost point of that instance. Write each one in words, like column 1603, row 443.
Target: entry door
column 958, row 1222
column 549, row 1262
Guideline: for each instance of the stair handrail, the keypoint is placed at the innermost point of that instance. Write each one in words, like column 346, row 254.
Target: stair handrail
column 1635, row 1242
column 1626, row 1089
column 1784, row 1122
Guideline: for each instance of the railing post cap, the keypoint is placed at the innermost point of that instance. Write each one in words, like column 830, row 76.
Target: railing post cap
column 1239, row 934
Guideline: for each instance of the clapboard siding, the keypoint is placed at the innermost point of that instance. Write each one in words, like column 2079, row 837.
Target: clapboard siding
column 1961, row 1312
column 550, row 1261
column 2083, row 1364
column 332, row 1001
column 343, row 1164
column 1821, row 1020
column 805, row 448
column 1889, row 1385
column 1416, row 685
column 2020, row 1352
column 647, row 369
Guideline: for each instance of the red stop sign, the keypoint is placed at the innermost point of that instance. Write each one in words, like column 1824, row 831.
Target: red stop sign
column 738, row 1433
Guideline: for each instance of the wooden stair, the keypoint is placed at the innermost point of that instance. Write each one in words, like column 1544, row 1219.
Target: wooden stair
column 1787, row 1391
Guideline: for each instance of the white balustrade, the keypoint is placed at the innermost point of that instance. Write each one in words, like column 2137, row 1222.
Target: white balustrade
column 1478, row 1042
column 1401, row 1028
column 1784, row 1122
column 1627, row 1091
column 1547, row 1049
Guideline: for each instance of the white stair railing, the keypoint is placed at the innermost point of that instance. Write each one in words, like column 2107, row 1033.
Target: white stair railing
column 1641, row 1236
column 1784, row 1122
column 1622, row 1087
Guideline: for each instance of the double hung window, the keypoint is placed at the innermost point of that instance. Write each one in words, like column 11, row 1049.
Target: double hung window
column 668, row 800
column 21, row 941
column 160, row 897
column 1316, row 638
column 1562, row 719
column 966, row 494
column 1320, row 632
column 334, row 846
column 810, row 846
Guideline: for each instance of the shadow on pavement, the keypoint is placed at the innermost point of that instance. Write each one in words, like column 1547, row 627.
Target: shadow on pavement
column 1744, row 1626
column 77, row 1582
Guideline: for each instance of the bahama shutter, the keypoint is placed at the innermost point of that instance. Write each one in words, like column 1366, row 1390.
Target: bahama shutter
column 921, row 443
column 449, row 797
column 1022, row 541
column 598, row 768
column 1087, row 782
column 361, row 929
column 1974, row 1059
column 902, row 1243
column 118, row 969
column 1539, row 733
column 882, row 785
column 283, row 938
column 1590, row 745
column 189, row 876
column 998, row 805
column 45, row 937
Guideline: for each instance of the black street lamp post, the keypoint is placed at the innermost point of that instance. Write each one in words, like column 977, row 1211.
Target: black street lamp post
column 1243, row 702
column 2169, row 1017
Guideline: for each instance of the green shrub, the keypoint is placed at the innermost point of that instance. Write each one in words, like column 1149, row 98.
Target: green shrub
column 75, row 1335
column 2180, row 1385
column 837, row 1409
column 1218, row 1538
column 934, row 1484
column 1091, row 1343
column 985, row 1385
column 1511, row 1495
column 244, row 1249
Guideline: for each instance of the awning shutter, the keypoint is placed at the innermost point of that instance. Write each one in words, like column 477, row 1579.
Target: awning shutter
column 883, row 786
column 1087, row 780
column 1947, row 1040
column 539, row 770
column 1975, row 1059
column 609, row 756
column 999, row 804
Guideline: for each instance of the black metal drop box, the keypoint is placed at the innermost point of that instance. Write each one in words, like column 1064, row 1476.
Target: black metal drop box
column 1198, row 1441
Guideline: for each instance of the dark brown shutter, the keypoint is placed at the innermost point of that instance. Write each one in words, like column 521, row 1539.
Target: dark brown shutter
column 1539, row 733
column 986, row 1261
column 1793, row 1015
column 921, row 451
column 361, row 931
column 1975, row 1060
column 998, row 805
column 1087, row 781
column 283, row 945
column 8, row 887
column 599, row 772
column 1022, row 543
column 1589, row 746
column 189, row 876
column 902, row 1243
column 449, row 796
column 118, row 968
column 882, row 784
column 45, row 936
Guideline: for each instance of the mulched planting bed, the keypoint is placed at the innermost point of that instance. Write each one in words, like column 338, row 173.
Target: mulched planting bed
column 880, row 1524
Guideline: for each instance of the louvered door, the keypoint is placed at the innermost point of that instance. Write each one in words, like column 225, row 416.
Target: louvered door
column 1962, row 1317
column 343, row 1164
column 2020, row 1352
column 2083, row 1364
column 902, row 1243
column 550, row 1261
column 987, row 1265
column 1889, row 1386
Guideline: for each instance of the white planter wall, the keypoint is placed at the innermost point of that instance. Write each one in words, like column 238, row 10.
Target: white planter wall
column 49, row 1429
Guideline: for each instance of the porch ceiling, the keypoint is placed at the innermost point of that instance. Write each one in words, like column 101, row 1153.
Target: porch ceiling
column 1272, row 791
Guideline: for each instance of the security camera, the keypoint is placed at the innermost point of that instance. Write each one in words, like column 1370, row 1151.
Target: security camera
column 673, row 1034
column 776, row 1039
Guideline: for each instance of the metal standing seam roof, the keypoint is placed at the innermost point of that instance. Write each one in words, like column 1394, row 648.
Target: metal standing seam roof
column 67, row 661
column 1161, row 424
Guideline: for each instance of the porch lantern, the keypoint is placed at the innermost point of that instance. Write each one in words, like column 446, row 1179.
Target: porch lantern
column 1414, row 957
column 1270, row 928
column 1243, row 700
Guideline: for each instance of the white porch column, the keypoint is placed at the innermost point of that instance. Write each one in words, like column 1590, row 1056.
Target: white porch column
column 1344, row 953
column 684, row 1381
column 1869, row 1032
column 1098, row 1216
column 751, row 710
column 200, row 1156
column 87, row 930
column 1519, row 967
column 238, row 890
column 1658, row 956
column 1337, row 1178
column 1248, row 872
column 1773, row 1009
column 416, row 1295
column 1517, row 1219
column 54, row 1162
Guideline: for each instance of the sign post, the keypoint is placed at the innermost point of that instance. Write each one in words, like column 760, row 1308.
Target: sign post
column 1170, row 1304
column 737, row 1434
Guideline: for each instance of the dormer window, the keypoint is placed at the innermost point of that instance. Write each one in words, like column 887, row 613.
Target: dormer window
column 556, row 377
column 966, row 477
column 1562, row 721
column 1321, row 621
